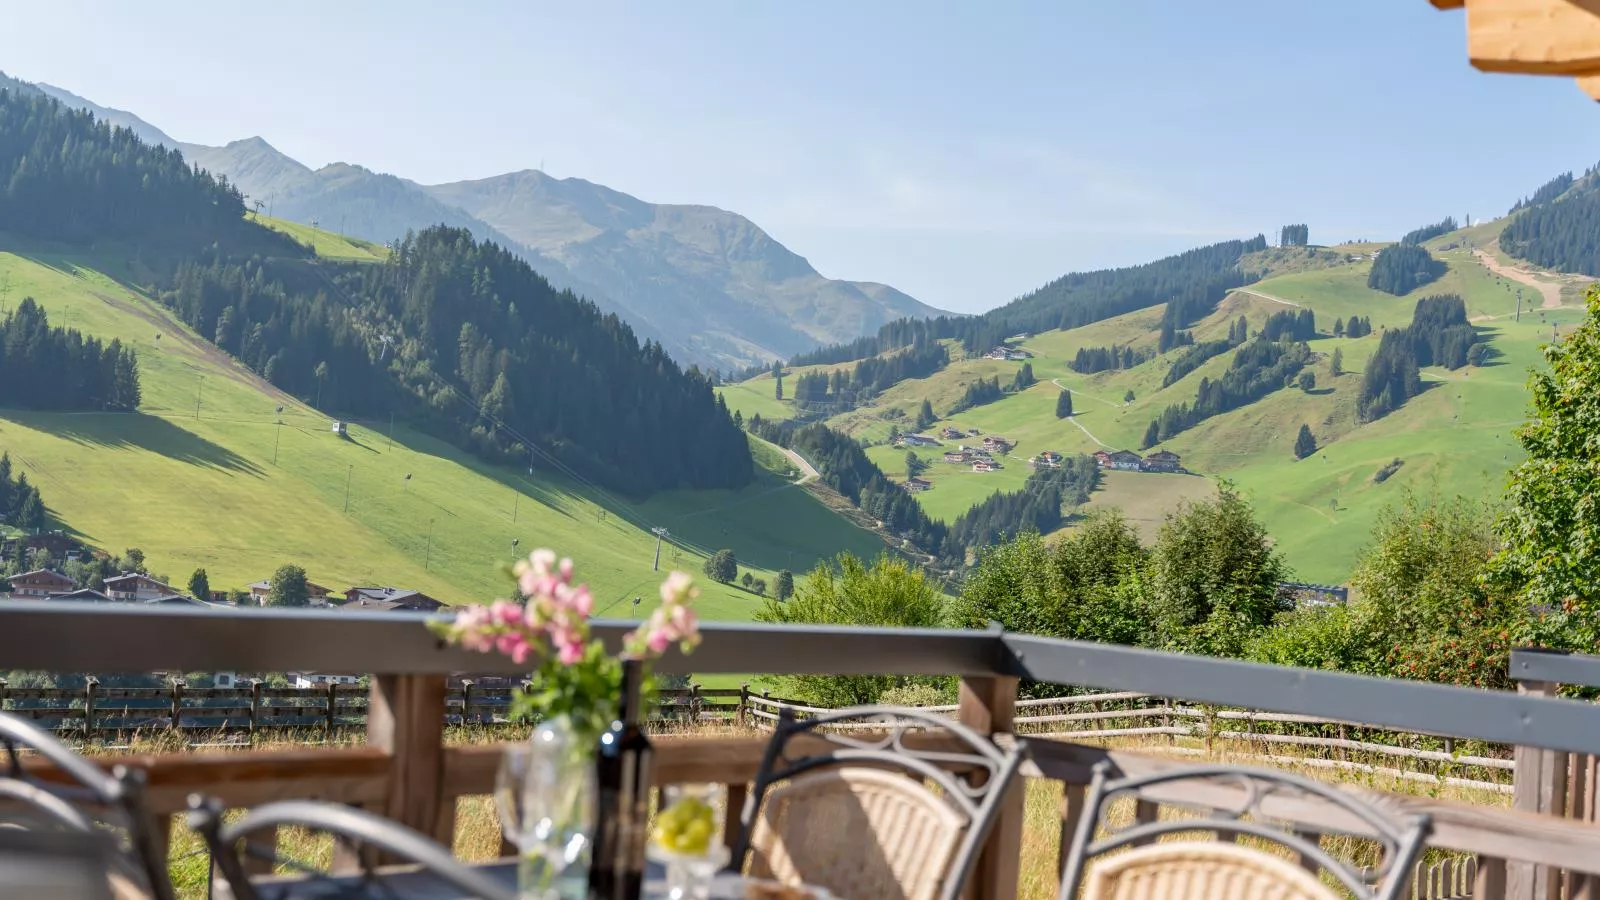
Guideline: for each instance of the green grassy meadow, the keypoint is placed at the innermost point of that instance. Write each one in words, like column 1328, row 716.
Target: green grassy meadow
column 1456, row 438
column 327, row 244
column 204, row 476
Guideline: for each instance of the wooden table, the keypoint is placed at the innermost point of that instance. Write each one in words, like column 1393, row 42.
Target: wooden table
column 410, row 883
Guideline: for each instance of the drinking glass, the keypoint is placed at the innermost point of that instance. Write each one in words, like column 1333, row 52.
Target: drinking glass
column 687, row 838
column 543, row 794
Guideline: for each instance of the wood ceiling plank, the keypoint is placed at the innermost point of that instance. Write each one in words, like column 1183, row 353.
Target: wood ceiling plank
column 1536, row 37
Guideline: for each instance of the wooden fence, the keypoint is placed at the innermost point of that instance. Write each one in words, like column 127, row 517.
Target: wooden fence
column 405, row 769
column 100, row 713
column 1345, row 746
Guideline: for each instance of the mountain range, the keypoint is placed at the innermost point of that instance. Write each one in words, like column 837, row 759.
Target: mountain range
column 710, row 285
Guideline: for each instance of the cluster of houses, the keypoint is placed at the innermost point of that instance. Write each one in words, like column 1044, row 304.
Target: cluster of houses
column 1014, row 354
column 928, row 440
column 135, row 587
column 1047, row 459
column 1128, row 461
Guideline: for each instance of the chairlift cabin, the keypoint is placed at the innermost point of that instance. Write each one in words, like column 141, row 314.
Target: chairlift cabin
column 339, row 429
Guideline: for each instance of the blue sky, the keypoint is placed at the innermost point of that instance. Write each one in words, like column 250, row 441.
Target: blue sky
column 962, row 154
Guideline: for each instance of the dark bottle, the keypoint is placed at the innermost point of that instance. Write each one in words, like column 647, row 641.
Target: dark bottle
column 622, row 776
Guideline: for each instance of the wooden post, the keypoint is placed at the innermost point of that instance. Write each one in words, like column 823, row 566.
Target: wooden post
column 694, row 703
column 91, row 687
column 327, row 714
column 1490, row 882
column 1073, row 798
column 744, row 704
column 1539, row 785
column 466, row 700
column 177, row 703
column 405, row 719
column 738, row 796
column 256, row 686
column 988, row 706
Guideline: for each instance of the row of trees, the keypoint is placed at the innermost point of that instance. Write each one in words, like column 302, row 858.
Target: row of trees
column 65, row 176
column 1439, row 335
column 841, row 390
column 1089, row 360
column 1196, row 354
column 1403, row 268
column 844, row 466
column 475, row 346
column 1294, row 236
column 1429, row 232
column 20, row 503
column 1038, row 506
column 981, row 391
column 1564, row 236
column 1355, row 328
column 1547, row 192
column 1290, row 325
column 1259, row 368
column 59, row 369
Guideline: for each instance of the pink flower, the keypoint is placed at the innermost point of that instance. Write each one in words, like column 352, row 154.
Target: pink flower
column 658, row 641
column 583, row 601
column 570, row 653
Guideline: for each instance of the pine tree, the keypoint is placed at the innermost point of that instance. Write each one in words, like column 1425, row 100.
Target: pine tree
column 777, row 385
column 1336, row 365
column 200, row 585
column 784, row 589
column 925, row 416
column 1304, row 443
column 30, row 511
column 1152, row 435
column 1338, row 327
column 1064, row 405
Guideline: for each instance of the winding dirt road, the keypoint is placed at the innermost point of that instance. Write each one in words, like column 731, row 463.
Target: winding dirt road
column 1551, row 291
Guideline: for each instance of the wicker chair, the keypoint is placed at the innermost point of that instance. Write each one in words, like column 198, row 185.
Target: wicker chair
column 1130, row 864
column 859, row 817
column 364, row 830
column 90, row 802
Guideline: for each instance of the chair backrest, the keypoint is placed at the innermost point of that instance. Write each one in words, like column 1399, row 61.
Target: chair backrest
column 93, row 798
column 358, row 827
column 1211, row 871
column 57, row 865
column 1238, row 807
column 842, row 802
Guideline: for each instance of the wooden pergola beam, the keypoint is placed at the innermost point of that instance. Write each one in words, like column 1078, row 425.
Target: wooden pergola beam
column 1590, row 85
column 1535, row 37
column 1448, row 4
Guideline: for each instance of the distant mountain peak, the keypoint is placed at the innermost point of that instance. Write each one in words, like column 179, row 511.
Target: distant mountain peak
column 709, row 284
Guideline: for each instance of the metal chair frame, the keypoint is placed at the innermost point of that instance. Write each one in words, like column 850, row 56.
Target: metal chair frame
column 1401, row 838
column 121, row 790
column 357, row 827
column 978, row 799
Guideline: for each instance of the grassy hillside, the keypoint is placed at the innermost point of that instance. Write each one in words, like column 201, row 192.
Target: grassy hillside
column 327, row 244
column 1455, row 438
column 204, row 476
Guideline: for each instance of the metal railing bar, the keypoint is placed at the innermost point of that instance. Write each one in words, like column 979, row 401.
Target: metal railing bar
column 1559, row 667
column 1412, row 706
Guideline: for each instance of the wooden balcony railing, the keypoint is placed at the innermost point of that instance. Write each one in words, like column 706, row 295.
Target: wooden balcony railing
column 405, row 770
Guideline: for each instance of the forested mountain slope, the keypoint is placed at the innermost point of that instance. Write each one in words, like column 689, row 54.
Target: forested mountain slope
column 461, row 336
column 228, row 461
column 709, row 285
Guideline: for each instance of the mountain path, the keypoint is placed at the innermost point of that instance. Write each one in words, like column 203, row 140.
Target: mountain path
column 1078, row 393
column 1074, row 420
column 1550, row 291
column 1265, row 296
